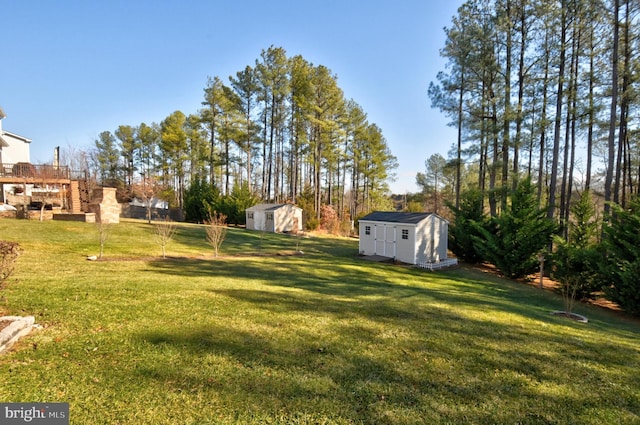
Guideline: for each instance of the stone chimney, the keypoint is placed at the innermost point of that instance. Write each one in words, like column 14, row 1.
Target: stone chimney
column 105, row 205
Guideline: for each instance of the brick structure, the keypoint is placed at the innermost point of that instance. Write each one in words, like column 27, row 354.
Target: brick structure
column 104, row 205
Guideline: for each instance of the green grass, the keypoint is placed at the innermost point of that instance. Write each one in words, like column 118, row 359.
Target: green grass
column 321, row 338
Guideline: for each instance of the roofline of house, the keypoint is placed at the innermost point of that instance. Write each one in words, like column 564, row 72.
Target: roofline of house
column 17, row 136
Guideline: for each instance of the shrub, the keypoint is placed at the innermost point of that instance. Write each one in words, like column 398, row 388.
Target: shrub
column 9, row 253
column 329, row 219
column 312, row 223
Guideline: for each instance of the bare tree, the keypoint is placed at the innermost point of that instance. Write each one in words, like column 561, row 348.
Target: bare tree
column 147, row 190
column 164, row 231
column 103, row 234
column 216, row 230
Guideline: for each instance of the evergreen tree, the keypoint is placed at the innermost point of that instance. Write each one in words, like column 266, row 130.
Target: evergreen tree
column 620, row 264
column 517, row 235
column 173, row 144
column 574, row 261
column 463, row 229
column 106, row 157
column 128, row 150
column 199, row 198
column 235, row 204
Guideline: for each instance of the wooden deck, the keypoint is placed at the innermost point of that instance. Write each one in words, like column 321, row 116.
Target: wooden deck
column 26, row 173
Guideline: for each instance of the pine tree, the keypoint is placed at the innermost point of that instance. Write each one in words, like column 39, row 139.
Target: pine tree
column 106, row 157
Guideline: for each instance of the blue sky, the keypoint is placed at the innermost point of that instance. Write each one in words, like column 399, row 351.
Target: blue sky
column 72, row 69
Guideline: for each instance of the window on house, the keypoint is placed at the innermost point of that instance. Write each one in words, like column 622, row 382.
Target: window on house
column 405, row 233
column 269, row 216
column 367, row 230
column 250, row 216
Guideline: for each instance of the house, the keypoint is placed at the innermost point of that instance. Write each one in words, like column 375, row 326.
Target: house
column 14, row 149
column 413, row 238
column 274, row 218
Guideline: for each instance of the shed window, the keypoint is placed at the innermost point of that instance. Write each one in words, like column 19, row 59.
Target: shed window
column 250, row 216
column 405, row 233
column 269, row 216
column 367, row 230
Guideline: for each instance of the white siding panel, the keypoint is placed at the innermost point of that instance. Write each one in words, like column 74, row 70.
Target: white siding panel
column 367, row 244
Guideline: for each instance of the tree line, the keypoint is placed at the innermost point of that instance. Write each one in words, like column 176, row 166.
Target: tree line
column 281, row 130
column 546, row 89
column 544, row 97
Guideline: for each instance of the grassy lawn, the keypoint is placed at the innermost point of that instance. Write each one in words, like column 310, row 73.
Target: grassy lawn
column 319, row 338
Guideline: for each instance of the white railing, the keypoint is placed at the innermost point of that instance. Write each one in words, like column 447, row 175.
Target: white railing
column 438, row 264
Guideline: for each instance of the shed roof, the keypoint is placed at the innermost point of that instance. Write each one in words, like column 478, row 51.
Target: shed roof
column 268, row 207
column 396, row 217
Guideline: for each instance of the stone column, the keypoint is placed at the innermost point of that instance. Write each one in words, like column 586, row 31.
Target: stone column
column 105, row 205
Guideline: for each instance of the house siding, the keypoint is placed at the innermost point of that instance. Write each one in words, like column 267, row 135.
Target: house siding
column 17, row 151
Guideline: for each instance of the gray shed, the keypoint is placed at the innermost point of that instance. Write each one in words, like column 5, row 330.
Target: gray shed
column 414, row 238
column 274, row 218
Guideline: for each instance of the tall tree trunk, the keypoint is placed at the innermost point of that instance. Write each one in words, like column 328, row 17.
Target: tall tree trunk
column 459, row 150
column 506, row 136
column 521, row 81
column 611, row 143
column 591, row 112
column 558, row 120
column 565, row 193
column 620, row 174
column 543, row 119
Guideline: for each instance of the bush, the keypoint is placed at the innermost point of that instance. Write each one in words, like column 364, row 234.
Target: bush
column 312, row 223
column 9, row 253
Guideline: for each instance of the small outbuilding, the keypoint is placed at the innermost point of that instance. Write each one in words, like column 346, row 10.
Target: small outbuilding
column 274, row 218
column 413, row 238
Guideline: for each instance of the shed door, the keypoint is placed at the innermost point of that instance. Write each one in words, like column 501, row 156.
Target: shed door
column 385, row 240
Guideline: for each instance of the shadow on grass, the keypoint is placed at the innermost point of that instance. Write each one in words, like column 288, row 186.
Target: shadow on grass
column 362, row 374
column 350, row 278
column 373, row 342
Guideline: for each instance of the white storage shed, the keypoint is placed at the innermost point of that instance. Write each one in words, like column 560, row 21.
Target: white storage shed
column 274, row 218
column 413, row 238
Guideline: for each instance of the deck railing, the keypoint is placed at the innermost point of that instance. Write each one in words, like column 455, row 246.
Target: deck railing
column 25, row 170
